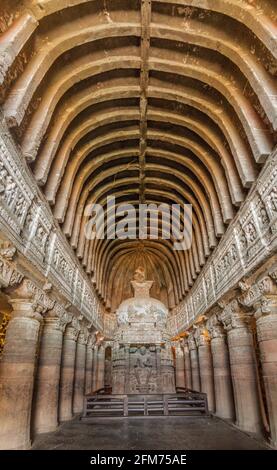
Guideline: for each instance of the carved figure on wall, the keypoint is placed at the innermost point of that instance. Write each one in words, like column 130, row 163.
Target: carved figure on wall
column 143, row 368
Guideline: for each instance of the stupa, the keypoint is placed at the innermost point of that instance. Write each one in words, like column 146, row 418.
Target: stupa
column 142, row 353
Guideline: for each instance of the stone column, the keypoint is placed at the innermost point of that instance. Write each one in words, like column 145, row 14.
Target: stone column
column 80, row 370
column 224, row 400
column 187, row 365
column 243, row 368
column 94, row 369
column 68, row 370
column 89, row 366
column 205, row 364
column 100, row 367
column 195, row 377
column 266, row 315
column 46, row 401
column 180, row 366
column 17, row 368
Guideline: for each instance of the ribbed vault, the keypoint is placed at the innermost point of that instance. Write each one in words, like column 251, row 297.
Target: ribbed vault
column 148, row 101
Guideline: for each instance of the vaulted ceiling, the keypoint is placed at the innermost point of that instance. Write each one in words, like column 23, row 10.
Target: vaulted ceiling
column 149, row 101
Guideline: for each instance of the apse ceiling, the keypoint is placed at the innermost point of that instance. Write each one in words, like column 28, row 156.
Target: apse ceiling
column 148, row 101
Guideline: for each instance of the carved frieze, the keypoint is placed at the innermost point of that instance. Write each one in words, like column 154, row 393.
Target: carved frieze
column 15, row 201
column 9, row 275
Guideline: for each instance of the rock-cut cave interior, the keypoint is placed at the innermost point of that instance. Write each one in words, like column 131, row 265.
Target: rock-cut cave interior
column 168, row 103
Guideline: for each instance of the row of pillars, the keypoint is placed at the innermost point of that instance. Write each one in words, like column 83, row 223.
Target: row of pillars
column 49, row 363
column 222, row 356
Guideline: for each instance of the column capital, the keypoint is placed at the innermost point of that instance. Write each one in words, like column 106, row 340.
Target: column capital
column 178, row 347
column 191, row 341
column 185, row 344
column 261, row 296
column 73, row 329
column 59, row 317
column 91, row 341
column 215, row 328
column 83, row 335
column 234, row 316
column 29, row 300
column 201, row 335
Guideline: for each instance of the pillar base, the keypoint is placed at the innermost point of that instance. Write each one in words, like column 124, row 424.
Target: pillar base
column 66, row 418
column 273, row 444
column 254, row 432
column 26, row 446
column 46, row 429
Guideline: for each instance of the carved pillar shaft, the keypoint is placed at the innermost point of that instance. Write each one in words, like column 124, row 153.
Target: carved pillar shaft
column 195, row 377
column 89, row 365
column 187, row 367
column 180, row 367
column 206, row 366
column 267, row 337
column 48, row 377
column 100, row 368
column 67, row 373
column 94, row 368
column 243, row 371
column 224, row 400
column 17, row 368
column 79, row 379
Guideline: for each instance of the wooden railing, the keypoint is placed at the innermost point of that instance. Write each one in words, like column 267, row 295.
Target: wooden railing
column 184, row 403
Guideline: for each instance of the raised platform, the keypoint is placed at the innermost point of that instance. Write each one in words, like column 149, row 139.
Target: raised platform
column 185, row 403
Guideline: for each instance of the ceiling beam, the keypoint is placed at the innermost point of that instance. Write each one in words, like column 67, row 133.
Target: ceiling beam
column 146, row 8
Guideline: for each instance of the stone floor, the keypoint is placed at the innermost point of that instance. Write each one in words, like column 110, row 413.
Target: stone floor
column 149, row 434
